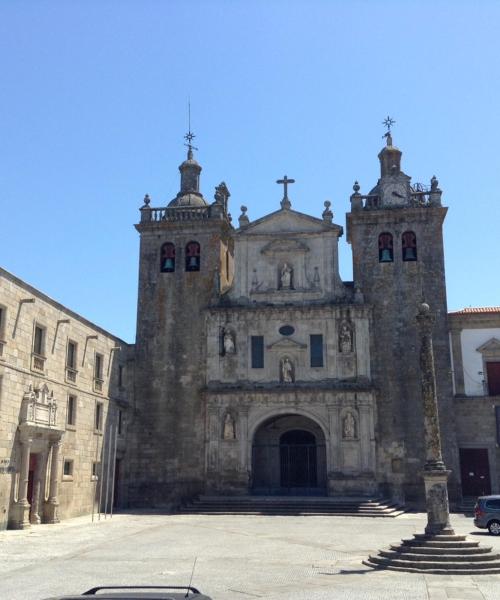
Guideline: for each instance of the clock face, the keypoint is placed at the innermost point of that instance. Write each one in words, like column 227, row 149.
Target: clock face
column 394, row 192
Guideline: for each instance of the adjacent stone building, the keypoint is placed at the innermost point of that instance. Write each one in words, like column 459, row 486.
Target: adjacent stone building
column 256, row 369
column 63, row 385
column 475, row 342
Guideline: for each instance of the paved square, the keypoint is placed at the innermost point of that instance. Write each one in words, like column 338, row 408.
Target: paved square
column 297, row 558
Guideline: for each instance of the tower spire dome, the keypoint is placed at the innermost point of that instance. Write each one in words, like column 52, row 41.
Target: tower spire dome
column 389, row 156
column 189, row 194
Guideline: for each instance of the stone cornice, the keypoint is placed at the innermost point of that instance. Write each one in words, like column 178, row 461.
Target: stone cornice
column 329, row 309
column 298, row 387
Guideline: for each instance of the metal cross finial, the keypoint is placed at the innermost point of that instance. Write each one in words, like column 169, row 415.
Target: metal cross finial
column 190, row 135
column 388, row 122
column 285, row 181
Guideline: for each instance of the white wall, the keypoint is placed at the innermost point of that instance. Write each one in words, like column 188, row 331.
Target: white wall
column 472, row 360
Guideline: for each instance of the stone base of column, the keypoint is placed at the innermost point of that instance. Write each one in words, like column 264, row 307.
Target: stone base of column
column 436, row 495
column 51, row 510
column 438, row 554
column 20, row 516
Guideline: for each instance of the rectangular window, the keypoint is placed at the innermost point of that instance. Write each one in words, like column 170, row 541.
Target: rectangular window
column 95, row 470
column 98, row 370
column 71, row 355
column 98, row 366
column 71, row 410
column 98, row 416
column 39, row 341
column 316, row 350
column 120, row 422
column 120, row 376
column 68, row 468
column 257, row 342
column 3, row 319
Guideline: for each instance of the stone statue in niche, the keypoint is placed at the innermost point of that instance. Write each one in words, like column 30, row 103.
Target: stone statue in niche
column 349, row 427
column 345, row 337
column 228, row 342
column 229, row 430
column 286, row 277
column 286, row 370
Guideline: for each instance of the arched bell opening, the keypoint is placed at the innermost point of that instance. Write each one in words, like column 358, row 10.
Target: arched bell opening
column 289, row 457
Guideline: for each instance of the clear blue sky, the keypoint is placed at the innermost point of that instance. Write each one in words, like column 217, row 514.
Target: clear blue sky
column 94, row 106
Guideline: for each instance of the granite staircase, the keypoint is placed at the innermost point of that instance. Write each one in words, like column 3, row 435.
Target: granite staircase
column 292, row 505
column 439, row 554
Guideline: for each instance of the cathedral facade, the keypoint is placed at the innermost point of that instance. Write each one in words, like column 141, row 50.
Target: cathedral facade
column 259, row 371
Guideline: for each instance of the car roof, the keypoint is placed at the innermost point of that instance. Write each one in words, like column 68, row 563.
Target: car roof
column 490, row 497
column 128, row 592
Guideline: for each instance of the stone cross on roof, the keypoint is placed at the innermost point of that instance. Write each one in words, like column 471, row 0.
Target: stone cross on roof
column 285, row 203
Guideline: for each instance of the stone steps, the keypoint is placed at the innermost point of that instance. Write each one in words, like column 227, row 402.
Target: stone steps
column 292, row 505
column 436, row 557
column 449, row 550
column 440, row 554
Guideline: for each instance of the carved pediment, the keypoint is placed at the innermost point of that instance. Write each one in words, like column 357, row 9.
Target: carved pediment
column 288, row 221
column 286, row 344
column 284, row 246
column 491, row 347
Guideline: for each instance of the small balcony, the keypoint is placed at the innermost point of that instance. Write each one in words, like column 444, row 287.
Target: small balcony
column 98, row 385
column 71, row 375
column 38, row 363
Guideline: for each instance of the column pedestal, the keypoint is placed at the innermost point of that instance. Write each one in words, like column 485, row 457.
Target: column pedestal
column 436, row 494
column 21, row 509
column 52, row 504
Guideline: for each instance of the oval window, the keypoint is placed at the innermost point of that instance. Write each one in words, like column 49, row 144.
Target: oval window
column 287, row 330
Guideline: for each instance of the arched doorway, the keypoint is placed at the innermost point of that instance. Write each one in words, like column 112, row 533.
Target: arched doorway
column 289, row 457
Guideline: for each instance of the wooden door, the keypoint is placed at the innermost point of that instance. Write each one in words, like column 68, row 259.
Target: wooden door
column 493, row 378
column 475, row 472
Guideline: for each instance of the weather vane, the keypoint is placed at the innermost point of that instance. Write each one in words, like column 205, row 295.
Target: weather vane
column 388, row 122
column 189, row 137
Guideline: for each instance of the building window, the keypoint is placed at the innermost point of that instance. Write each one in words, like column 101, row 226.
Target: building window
column 68, row 469
column 316, row 350
column 71, row 410
column 95, row 470
column 257, row 343
column 71, row 359
column 493, row 378
column 38, row 357
column 385, row 248
column 39, row 341
column 98, row 416
column 71, row 355
column 193, row 254
column 120, row 376
column 98, row 370
column 409, row 245
column 167, row 260
column 120, row 422
column 3, row 320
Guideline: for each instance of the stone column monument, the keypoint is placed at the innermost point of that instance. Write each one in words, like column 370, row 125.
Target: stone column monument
column 435, row 473
column 439, row 550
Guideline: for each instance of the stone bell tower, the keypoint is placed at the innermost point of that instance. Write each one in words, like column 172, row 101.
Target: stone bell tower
column 397, row 243
column 186, row 262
